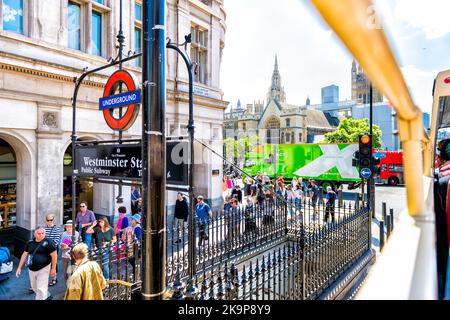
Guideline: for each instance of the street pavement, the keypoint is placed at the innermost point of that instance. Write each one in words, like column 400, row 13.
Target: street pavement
column 17, row 288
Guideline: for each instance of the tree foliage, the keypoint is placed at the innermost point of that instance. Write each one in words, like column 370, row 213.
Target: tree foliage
column 238, row 148
column 349, row 130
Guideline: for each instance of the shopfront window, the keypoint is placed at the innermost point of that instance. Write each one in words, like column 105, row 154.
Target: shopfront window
column 13, row 15
column 84, row 189
column 8, row 176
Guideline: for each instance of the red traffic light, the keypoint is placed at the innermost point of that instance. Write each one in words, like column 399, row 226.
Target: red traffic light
column 365, row 139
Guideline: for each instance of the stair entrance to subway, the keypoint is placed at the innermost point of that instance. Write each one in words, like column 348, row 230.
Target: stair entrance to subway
column 268, row 247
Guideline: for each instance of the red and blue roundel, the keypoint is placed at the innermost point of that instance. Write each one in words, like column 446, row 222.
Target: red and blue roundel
column 109, row 102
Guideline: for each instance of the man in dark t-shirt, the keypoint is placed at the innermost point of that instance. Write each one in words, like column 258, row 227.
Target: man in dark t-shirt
column 237, row 193
column 314, row 196
column 43, row 262
column 330, row 199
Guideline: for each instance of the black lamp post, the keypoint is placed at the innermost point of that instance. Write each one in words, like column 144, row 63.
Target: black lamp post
column 190, row 127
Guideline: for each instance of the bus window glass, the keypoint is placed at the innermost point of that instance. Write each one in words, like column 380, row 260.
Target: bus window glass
column 444, row 112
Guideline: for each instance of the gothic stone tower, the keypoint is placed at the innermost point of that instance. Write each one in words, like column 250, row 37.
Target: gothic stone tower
column 360, row 86
column 276, row 91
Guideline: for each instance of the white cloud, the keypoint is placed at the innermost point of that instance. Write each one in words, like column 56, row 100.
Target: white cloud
column 10, row 14
column 431, row 17
column 420, row 84
column 309, row 54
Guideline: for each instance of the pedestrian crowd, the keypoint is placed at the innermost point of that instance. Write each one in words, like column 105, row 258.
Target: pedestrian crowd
column 85, row 279
column 246, row 199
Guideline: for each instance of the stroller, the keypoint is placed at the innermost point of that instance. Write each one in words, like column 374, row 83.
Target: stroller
column 6, row 265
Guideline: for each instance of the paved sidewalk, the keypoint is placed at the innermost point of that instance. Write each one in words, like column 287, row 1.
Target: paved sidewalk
column 17, row 288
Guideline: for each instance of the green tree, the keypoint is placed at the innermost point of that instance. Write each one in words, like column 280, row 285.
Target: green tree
column 349, row 130
column 238, row 148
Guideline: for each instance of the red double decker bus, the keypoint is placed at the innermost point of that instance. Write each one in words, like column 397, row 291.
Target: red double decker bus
column 391, row 167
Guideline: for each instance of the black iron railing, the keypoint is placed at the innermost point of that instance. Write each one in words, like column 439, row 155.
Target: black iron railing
column 298, row 269
column 121, row 266
column 232, row 233
column 272, row 249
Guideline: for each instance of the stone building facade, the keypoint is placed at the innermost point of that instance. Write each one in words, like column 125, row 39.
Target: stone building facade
column 276, row 121
column 46, row 44
column 360, row 86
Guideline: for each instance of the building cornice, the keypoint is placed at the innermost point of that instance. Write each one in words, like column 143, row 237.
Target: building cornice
column 47, row 75
column 203, row 101
column 207, row 9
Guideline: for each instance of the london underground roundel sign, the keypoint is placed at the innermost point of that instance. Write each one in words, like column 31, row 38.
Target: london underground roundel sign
column 130, row 98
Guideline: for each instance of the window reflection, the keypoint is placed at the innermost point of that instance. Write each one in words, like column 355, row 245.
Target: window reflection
column 137, row 45
column 13, row 15
column 444, row 111
column 96, row 38
column 74, row 26
column 138, row 12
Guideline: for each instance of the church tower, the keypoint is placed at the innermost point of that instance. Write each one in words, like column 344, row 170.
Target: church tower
column 276, row 91
column 360, row 87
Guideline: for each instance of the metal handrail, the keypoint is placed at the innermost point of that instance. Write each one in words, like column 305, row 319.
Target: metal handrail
column 368, row 44
column 365, row 39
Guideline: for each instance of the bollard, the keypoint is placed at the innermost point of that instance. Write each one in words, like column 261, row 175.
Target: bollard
column 381, row 234
column 391, row 211
column 391, row 218
column 388, row 228
column 383, row 210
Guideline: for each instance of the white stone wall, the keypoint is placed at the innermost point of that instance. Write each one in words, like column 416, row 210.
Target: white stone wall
column 36, row 79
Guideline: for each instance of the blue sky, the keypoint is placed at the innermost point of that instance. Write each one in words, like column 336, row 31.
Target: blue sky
column 310, row 56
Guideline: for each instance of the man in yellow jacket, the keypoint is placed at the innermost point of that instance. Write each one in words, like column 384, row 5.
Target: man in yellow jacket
column 87, row 281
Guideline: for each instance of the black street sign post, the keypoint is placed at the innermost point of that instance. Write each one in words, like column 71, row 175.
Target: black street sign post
column 153, row 150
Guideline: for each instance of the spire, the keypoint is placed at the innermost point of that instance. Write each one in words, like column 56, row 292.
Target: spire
column 308, row 102
column 276, row 91
column 353, row 65
column 239, row 107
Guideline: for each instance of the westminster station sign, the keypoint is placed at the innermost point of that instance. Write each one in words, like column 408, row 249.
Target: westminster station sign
column 124, row 161
column 109, row 161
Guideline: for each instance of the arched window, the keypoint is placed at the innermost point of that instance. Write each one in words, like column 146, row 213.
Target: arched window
column 273, row 130
column 292, row 137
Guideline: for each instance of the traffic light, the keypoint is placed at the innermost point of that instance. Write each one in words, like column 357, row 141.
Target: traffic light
column 365, row 155
column 376, row 165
